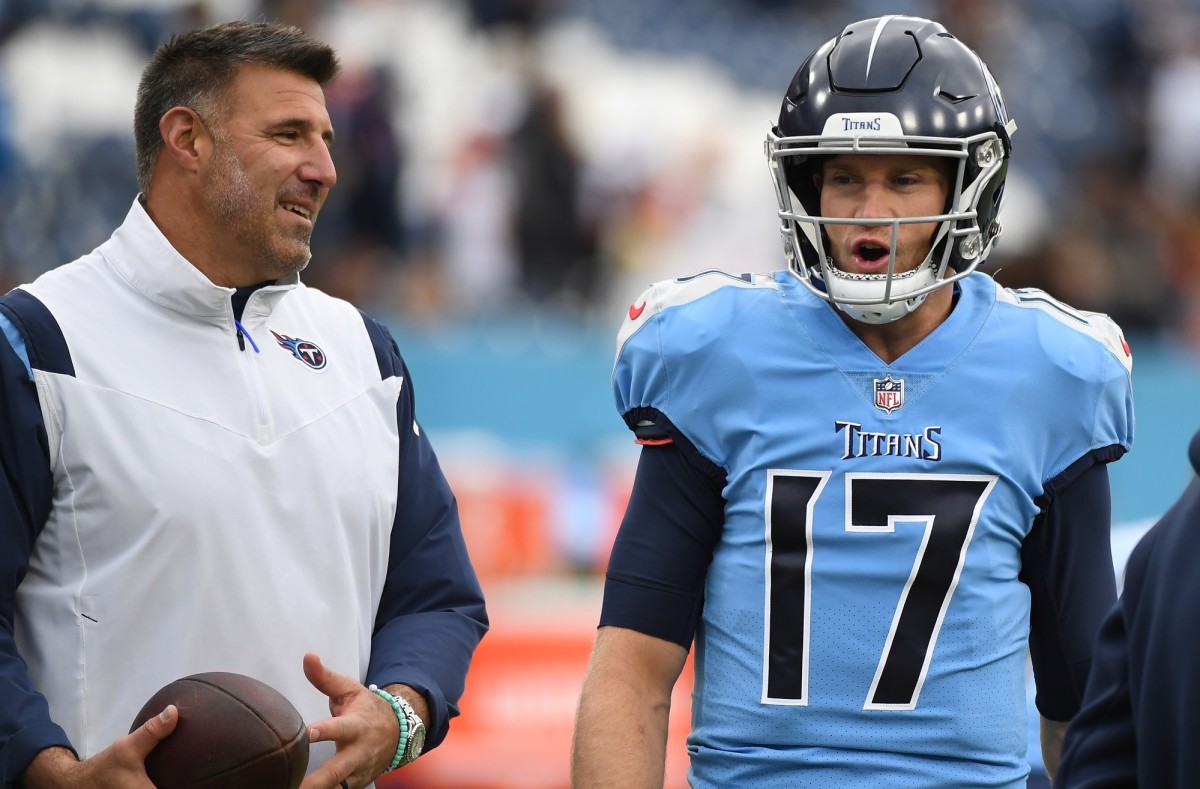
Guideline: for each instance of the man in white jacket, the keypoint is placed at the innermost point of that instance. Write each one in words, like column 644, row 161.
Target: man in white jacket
column 209, row 466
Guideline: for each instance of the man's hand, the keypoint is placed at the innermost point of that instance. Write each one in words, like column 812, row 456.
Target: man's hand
column 363, row 726
column 121, row 765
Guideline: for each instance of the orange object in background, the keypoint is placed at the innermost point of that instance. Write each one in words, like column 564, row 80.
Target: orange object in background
column 533, row 519
column 505, row 524
column 521, row 695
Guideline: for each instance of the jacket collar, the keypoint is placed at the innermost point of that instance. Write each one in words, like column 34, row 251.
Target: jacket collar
column 145, row 258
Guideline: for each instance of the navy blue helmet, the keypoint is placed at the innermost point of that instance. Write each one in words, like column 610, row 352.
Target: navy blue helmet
column 891, row 85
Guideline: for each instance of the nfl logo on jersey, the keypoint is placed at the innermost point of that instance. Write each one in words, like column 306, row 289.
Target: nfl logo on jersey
column 889, row 394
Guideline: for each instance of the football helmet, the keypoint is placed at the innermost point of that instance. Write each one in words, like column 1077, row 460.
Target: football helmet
column 891, row 85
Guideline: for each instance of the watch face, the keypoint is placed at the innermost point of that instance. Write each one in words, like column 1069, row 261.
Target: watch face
column 416, row 742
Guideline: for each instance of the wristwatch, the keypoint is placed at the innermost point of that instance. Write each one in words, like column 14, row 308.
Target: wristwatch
column 412, row 728
column 416, row 731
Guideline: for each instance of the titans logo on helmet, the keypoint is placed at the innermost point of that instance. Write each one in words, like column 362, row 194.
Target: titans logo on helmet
column 308, row 352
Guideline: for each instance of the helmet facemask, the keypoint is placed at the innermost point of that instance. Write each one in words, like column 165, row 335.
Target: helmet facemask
column 957, row 247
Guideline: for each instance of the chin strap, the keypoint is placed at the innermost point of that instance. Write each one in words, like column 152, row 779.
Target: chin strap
column 878, row 314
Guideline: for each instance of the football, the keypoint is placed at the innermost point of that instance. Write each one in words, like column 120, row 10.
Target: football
column 234, row 732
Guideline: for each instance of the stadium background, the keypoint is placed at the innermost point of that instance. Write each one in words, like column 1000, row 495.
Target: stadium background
column 513, row 172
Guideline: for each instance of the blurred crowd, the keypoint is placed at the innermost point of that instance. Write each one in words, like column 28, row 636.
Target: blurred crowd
column 508, row 157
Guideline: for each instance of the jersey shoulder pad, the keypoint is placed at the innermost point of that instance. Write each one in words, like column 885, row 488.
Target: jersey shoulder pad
column 680, row 291
column 1096, row 325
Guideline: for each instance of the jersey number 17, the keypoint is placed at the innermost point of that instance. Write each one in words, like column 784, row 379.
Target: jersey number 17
column 946, row 506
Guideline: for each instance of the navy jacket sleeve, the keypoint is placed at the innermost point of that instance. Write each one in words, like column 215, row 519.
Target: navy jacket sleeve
column 1066, row 561
column 25, row 494
column 1100, row 749
column 431, row 615
column 1139, row 722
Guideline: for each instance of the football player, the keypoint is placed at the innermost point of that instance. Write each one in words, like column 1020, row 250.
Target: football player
column 872, row 482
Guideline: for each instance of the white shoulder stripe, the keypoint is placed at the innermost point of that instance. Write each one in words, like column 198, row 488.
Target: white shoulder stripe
column 1096, row 325
column 676, row 292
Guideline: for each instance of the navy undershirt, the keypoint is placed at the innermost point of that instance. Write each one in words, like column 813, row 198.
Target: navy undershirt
column 242, row 295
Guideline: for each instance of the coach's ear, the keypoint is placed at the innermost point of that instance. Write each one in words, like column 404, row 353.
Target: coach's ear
column 187, row 143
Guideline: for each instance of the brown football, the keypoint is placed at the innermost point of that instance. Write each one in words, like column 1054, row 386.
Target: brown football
column 234, row 732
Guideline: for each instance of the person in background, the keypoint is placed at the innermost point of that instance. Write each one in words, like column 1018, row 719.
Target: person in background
column 1140, row 710
column 209, row 466
column 871, row 483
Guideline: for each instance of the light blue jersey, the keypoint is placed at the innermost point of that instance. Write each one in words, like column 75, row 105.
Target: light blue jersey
column 863, row 622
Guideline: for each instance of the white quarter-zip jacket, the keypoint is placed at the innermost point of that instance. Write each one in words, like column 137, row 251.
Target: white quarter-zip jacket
column 215, row 494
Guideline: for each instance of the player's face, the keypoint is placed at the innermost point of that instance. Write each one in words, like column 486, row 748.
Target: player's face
column 877, row 186
column 270, row 171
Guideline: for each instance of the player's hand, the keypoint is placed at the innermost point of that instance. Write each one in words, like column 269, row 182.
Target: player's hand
column 121, row 765
column 363, row 727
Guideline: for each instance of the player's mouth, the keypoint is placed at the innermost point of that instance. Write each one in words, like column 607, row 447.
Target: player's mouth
column 870, row 257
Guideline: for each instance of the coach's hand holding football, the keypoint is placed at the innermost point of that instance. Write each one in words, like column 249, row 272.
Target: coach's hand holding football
column 120, row 766
column 206, row 466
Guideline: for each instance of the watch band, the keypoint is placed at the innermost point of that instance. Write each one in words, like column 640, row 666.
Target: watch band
column 415, row 742
column 412, row 729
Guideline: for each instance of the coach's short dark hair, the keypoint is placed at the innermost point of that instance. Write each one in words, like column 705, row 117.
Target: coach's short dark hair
column 195, row 70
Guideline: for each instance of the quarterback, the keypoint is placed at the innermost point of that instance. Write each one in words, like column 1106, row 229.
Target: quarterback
column 871, row 483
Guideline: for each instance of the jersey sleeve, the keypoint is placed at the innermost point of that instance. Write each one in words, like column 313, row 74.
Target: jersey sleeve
column 671, row 335
column 1089, row 367
column 1114, row 416
column 1066, row 557
column 431, row 614
column 654, row 583
column 639, row 377
column 655, row 579
column 26, row 488
column 1066, row 561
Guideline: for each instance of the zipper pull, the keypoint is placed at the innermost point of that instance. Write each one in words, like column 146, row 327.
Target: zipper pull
column 243, row 335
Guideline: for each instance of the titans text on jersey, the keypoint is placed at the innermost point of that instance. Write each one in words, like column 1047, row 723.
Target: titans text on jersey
column 866, row 443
